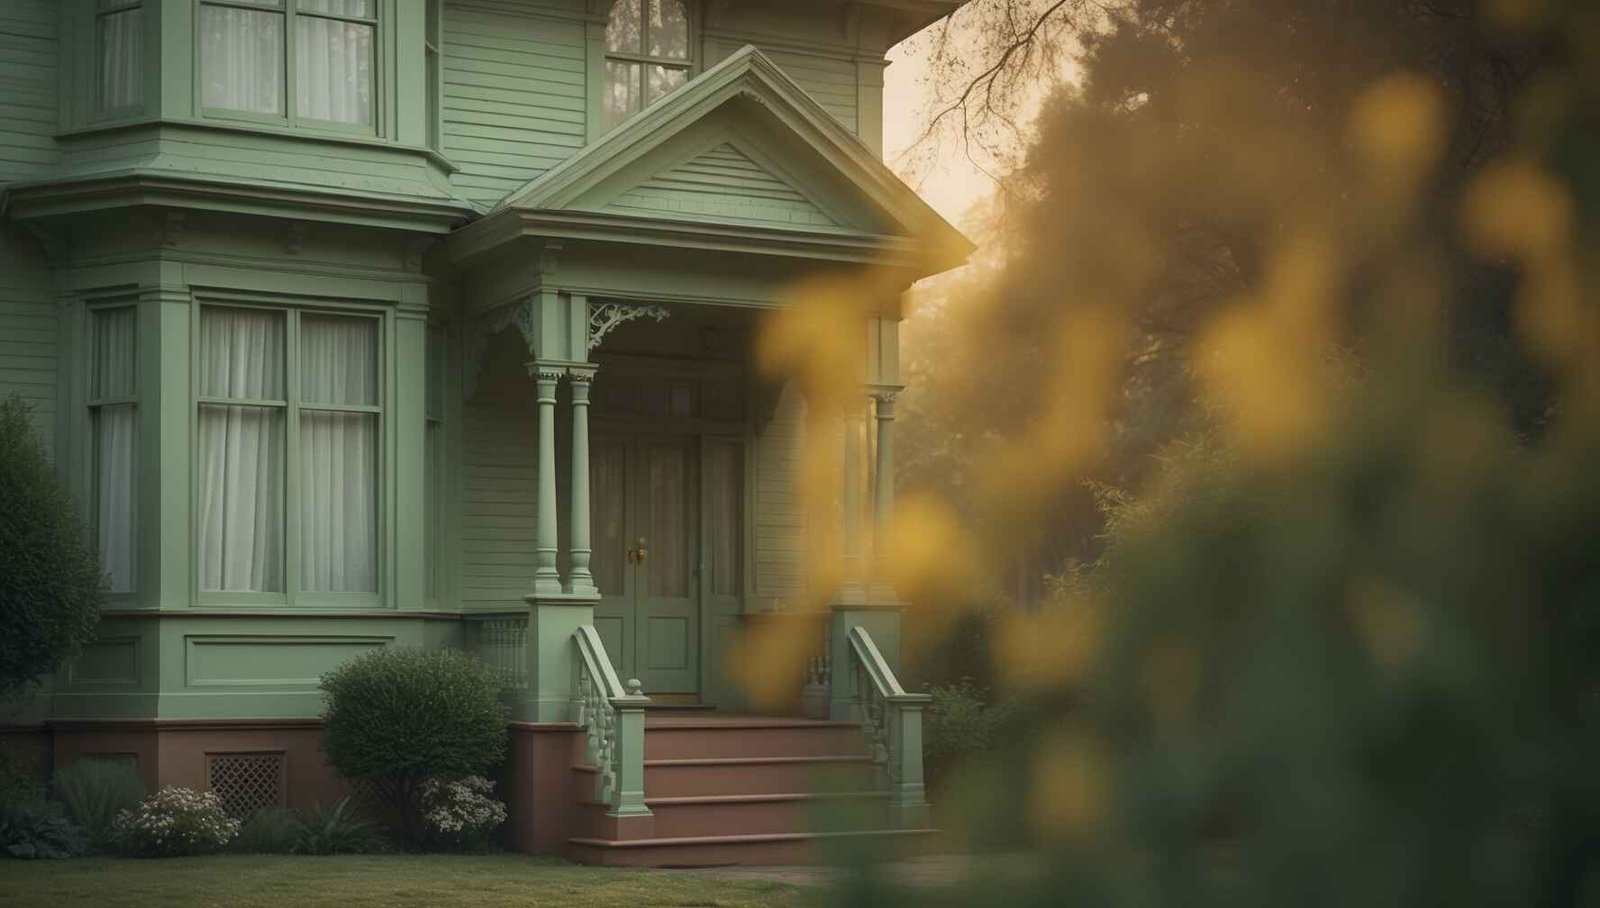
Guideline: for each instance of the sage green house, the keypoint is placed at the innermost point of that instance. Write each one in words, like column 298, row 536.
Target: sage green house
column 367, row 323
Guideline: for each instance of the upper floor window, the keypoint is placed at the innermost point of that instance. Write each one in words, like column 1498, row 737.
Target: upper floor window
column 119, row 32
column 249, row 65
column 647, row 55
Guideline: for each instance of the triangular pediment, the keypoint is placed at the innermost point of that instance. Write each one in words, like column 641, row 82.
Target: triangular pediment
column 723, row 184
column 741, row 144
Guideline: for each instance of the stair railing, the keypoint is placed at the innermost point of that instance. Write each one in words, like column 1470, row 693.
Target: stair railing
column 612, row 718
column 891, row 719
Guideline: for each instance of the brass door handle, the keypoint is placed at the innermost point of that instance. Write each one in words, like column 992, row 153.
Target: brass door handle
column 640, row 554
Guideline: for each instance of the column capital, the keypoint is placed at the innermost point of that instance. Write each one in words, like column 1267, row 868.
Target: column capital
column 544, row 372
column 884, row 394
column 582, row 375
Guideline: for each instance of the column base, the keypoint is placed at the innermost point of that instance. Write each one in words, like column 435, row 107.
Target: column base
column 553, row 618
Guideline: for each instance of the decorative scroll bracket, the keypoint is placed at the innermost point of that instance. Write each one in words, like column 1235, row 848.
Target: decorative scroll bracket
column 605, row 318
column 487, row 326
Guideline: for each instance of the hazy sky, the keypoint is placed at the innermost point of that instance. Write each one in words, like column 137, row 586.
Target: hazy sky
column 955, row 184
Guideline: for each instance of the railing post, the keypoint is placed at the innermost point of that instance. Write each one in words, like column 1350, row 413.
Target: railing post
column 908, row 797
column 883, row 623
column 627, row 798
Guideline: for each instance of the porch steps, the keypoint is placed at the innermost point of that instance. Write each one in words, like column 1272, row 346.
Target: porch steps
column 744, row 790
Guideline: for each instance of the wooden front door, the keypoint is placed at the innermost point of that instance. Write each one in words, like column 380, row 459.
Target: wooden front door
column 645, row 494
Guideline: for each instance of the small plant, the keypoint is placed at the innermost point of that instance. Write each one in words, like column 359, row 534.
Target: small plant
column 174, row 822
column 94, row 792
column 959, row 723
column 398, row 717
column 461, row 813
column 273, row 830
column 337, row 830
column 16, row 786
column 39, row 829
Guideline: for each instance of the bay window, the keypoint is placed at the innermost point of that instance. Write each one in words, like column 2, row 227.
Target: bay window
column 297, row 60
column 114, row 438
column 288, row 419
column 119, row 36
column 647, row 55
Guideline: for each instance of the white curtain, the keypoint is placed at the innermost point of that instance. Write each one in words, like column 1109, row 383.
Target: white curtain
column 333, row 64
column 121, row 57
column 241, row 58
column 338, row 455
column 116, row 442
column 241, row 451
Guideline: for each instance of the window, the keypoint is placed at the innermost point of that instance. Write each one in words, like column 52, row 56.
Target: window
column 430, row 50
column 271, row 382
column 248, row 65
column 433, row 440
column 647, row 55
column 114, row 432
column 119, row 31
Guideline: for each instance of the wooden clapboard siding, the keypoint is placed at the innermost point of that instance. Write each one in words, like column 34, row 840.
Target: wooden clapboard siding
column 514, row 96
column 499, row 503
column 28, row 110
column 779, row 534
column 722, row 184
column 830, row 80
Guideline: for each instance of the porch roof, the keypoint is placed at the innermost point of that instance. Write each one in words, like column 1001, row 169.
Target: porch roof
column 747, row 122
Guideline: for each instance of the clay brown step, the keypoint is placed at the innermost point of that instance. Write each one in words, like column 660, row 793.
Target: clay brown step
column 728, row 850
column 757, row 814
column 687, row 739
column 758, row 775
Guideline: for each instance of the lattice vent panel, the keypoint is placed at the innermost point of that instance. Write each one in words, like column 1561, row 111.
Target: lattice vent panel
column 245, row 783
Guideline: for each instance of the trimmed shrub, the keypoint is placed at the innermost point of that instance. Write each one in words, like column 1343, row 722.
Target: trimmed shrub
column 398, row 717
column 16, row 785
column 39, row 829
column 339, row 829
column 94, row 792
column 174, row 822
column 461, row 814
column 50, row 579
column 273, row 830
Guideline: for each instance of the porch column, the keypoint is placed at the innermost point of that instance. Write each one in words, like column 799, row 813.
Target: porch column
column 851, row 588
column 581, row 581
column 883, row 475
column 546, row 576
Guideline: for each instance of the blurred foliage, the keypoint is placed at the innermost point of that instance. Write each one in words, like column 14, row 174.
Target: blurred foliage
column 1300, row 300
column 960, row 725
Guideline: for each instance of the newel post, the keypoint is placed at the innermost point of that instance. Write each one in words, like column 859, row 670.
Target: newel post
column 627, row 800
column 908, row 797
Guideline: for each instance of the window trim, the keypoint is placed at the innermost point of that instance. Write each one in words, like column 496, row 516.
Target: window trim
column 690, row 65
column 382, row 70
column 91, row 407
column 292, row 310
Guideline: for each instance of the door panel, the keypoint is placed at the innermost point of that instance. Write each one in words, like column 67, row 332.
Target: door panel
column 610, row 467
column 668, row 634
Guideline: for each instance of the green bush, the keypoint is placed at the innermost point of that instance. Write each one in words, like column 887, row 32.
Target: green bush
column 273, row 830
column 94, row 792
column 50, row 579
column 39, row 829
column 337, row 830
column 16, row 785
column 398, row 717
column 174, row 822
column 959, row 724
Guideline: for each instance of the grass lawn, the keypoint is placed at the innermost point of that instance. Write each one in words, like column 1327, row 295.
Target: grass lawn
column 422, row 880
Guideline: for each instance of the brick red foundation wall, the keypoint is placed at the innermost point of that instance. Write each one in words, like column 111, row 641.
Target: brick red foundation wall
column 540, row 788
column 177, row 752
